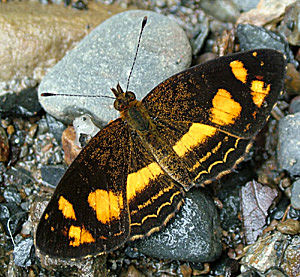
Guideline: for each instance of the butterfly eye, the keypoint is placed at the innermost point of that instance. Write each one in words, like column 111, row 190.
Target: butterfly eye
column 119, row 106
column 130, row 95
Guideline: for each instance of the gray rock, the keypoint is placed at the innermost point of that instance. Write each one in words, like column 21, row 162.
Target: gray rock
column 295, row 197
column 245, row 5
column 24, row 253
column 288, row 148
column 194, row 235
column 104, row 58
column 254, row 37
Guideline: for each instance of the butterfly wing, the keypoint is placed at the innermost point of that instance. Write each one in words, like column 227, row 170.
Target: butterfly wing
column 232, row 93
column 153, row 197
column 88, row 213
column 208, row 114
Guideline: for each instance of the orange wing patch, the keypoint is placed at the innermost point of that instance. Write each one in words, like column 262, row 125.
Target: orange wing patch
column 79, row 235
column 138, row 181
column 259, row 92
column 66, row 208
column 239, row 71
column 225, row 110
column 197, row 134
column 106, row 204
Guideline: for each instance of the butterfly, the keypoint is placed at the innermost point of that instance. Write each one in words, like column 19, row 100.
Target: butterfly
column 132, row 176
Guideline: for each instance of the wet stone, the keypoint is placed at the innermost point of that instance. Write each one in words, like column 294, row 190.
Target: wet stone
column 254, row 37
column 193, row 235
column 295, row 195
column 104, row 58
column 288, row 148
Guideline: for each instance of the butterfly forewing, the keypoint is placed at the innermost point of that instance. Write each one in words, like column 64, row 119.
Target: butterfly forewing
column 232, row 93
column 88, row 213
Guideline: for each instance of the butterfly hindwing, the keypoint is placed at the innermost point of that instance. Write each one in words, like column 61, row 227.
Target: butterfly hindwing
column 88, row 213
column 153, row 197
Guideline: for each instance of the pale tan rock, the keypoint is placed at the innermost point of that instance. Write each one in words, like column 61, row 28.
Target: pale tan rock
column 34, row 37
column 265, row 12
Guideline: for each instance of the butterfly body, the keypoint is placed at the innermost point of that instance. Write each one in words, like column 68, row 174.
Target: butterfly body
column 131, row 177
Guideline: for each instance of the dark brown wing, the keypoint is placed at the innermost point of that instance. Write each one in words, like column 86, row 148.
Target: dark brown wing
column 88, row 213
column 234, row 93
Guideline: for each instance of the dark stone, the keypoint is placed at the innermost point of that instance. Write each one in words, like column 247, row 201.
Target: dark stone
column 24, row 103
column 295, row 196
column 51, row 174
column 15, row 215
column 288, row 148
column 194, row 235
column 254, row 37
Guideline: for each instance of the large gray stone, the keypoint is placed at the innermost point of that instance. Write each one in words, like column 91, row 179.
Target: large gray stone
column 104, row 58
column 194, row 234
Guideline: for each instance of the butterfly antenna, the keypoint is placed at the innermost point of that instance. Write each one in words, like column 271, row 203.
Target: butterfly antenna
column 137, row 49
column 46, row 94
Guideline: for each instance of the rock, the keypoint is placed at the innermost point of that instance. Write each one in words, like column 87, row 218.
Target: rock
column 288, row 148
column 34, row 37
column 289, row 227
column 295, row 195
column 104, row 58
column 273, row 250
column 222, row 9
column 4, row 145
column 245, row 5
column 24, row 253
column 51, row 174
column 194, row 234
column 254, row 37
column 290, row 25
column 266, row 11
column 292, row 81
column 24, row 103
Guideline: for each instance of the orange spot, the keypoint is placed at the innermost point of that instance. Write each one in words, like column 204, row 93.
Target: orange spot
column 106, row 204
column 239, row 71
column 254, row 54
column 80, row 235
column 225, row 110
column 259, row 92
column 66, row 208
column 52, row 229
column 197, row 134
column 46, row 216
column 262, row 63
column 138, row 181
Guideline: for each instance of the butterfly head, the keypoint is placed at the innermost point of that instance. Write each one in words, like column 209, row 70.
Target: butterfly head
column 124, row 100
